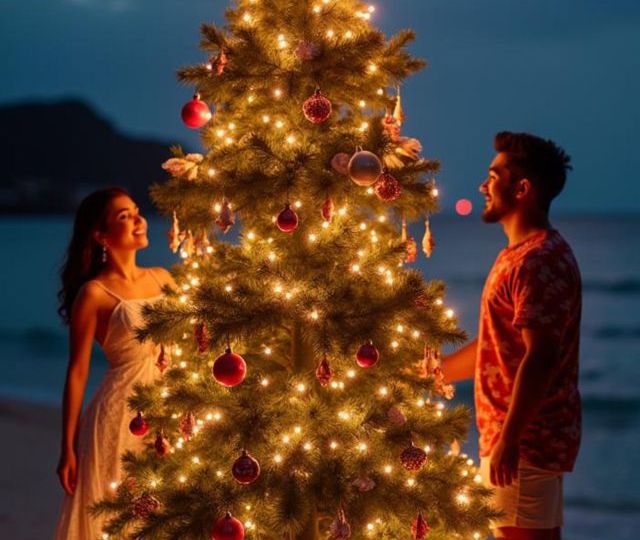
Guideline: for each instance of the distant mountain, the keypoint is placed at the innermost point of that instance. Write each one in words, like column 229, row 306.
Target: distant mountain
column 52, row 155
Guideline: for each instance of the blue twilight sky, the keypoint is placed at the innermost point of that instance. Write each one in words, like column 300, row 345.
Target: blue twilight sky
column 564, row 69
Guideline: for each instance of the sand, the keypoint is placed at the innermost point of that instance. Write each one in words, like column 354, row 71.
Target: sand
column 29, row 490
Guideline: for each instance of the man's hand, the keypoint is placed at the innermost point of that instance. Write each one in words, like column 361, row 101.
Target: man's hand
column 504, row 462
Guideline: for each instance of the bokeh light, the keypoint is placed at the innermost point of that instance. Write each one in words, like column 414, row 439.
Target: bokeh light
column 464, row 207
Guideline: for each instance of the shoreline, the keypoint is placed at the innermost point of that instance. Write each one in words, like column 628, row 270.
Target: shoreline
column 29, row 489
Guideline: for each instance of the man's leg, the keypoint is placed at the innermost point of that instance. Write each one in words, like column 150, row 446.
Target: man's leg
column 517, row 533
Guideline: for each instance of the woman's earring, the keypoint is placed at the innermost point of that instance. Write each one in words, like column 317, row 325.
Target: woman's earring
column 104, row 253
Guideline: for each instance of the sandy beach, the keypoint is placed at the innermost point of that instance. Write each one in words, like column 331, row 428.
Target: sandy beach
column 29, row 488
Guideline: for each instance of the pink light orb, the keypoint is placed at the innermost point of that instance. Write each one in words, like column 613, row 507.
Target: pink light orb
column 464, row 207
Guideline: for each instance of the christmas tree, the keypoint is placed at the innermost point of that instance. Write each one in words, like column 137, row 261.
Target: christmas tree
column 301, row 396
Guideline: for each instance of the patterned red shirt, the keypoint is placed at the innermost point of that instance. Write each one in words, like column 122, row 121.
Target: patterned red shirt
column 534, row 284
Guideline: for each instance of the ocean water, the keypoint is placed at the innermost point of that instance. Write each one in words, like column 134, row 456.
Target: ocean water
column 602, row 497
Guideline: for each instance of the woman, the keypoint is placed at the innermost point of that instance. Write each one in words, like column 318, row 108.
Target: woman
column 103, row 291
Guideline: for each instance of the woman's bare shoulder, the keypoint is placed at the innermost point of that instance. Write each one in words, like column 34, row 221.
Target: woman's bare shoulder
column 91, row 297
column 163, row 275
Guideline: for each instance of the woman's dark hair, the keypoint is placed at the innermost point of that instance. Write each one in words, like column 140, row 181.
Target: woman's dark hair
column 83, row 259
column 540, row 160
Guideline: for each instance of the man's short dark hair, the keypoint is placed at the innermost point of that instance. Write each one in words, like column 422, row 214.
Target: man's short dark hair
column 543, row 162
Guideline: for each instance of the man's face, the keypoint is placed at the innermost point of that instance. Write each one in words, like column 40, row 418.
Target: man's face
column 499, row 191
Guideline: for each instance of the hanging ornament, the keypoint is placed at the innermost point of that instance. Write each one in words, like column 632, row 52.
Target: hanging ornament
column 340, row 163
column 409, row 148
column 364, row 168
column 226, row 218
column 229, row 369
column 218, row 63
column 202, row 243
column 201, row 335
column 138, row 426
column 162, row 362
column 428, row 243
column 396, row 417
column 246, row 469
column 419, row 528
column 227, row 528
column 161, row 445
column 187, row 166
column 174, row 234
column 324, row 373
column 363, row 484
column 328, row 208
column 454, row 449
column 387, row 187
column 391, row 128
column 398, row 113
column 367, row 355
column 413, row 458
column 307, row 50
column 187, row 426
column 411, row 248
column 340, row 528
column 196, row 113
column 144, row 505
column 433, row 369
column 317, row 108
column 287, row 220
column 187, row 245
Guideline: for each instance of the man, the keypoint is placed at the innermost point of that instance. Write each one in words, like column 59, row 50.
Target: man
column 525, row 359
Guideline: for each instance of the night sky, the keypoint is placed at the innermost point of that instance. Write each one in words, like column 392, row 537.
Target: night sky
column 568, row 70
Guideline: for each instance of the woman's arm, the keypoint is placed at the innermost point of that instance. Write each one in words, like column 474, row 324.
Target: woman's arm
column 460, row 365
column 82, row 328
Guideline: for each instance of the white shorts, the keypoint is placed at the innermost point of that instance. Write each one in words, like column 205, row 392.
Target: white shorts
column 532, row 501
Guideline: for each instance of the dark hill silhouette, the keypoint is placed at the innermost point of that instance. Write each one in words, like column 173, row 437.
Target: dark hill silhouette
column 53, row 154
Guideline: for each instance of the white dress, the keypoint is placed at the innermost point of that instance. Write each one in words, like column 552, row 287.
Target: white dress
column 103, row 429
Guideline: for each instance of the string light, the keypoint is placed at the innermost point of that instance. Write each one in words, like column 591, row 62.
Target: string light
column 330, row 33
column 388, row 469
column 300, row 387
column 351, row 373
column 266, row 118
column 333, row 445
column 277, row 93
column 449, row 313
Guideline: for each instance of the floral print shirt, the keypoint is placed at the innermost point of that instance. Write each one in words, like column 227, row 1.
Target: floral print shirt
column 534, row 284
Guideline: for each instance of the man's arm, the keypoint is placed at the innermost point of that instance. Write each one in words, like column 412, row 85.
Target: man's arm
column 460, row 365
column 531, row 385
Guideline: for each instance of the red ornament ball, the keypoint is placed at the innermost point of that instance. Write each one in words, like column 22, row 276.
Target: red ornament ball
column 196, row 113
column 413, row 458
column 144, row 505
column 229, row 369
column 227, row 528
column 364, row 168
column 246, row 469
column 139, row 426
column 317, row 108
column 287, row 220
column 367, row 355
column 387, row 187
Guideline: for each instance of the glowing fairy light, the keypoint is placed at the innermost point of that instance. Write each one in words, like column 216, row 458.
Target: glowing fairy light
column 251, row 235
column 209, row 417
column 183, row 364
column 220, row 133
column 266, row 118
column 388, row 469
column 277, row 93
column 370, row 191
column 411, row 482
column 462, row 499
column 333, row 445
column 372, row 68
column 314, row 315
column 344, row 415
column 355, row 268
column 394, row 344
column 286, row 439
column 231, row 126
column 219, row 474
column 298, row 204
column 301, row 387
column 312, row 237
column 362, row 104
column 439, row 301
column 211, row 172
column 370, row 526
column 277, row 458
column 420, row 403
column 196, row 460
column 363, row 447
column 400, row 328
column 383, row 391
column 449, row 313
column 435, row 192
column 217, row 207
column 317, row 9
column 342, row 211
column 380, row 91
column 113, row 485
column 477, row 479
column 267, row 351
column 415, row 334
column 348, row 34
column 228, row 288
column 279, row 124
column 297, row 430
column 351, row 373
column 307, row 446
column 251, row 98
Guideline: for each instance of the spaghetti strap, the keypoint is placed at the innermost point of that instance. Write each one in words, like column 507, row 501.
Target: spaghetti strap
column 109, row 291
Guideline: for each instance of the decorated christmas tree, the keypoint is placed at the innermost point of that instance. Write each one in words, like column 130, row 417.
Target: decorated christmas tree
column 301, row 395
